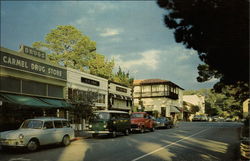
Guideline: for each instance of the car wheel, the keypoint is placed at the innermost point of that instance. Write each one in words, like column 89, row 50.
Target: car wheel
column 152, row 129
column 32, row 145
column 142, row 130
column 66, row 140
column 94, row 135
column 126, row 132
column 113, row 134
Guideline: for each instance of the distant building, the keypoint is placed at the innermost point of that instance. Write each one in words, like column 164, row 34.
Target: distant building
column 195, row 100
column 246, row 108
column 163, row 96
column 120, row 97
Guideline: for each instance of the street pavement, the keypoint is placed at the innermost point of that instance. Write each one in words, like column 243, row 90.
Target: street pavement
column 188, row 141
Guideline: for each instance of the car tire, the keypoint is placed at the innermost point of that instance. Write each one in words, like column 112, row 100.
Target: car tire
column 94, row 135
column 32, row 145
column 65, row 140
column 152, row 129
column 142, row 130
column 126, row 132
column 113, row 134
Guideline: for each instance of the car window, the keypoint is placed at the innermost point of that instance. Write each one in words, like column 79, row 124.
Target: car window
column 34, row 124
column 58, row 124
column 136, row 115
column 48, row 125
column 66, row 124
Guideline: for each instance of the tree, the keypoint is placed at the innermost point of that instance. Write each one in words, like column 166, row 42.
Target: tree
column 68, row 47
column 194, row 109
column 83, row 101
column 101, row 67
column 123, row 78
column 218, row 103
column 219, row 31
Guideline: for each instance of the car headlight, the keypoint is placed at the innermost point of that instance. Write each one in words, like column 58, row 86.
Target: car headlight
column 90, row 126
column 21, row 136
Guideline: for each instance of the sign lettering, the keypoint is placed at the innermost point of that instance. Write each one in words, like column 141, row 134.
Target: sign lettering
column 90, row 81
column 24, row 64
column 120, row 89
column 33, row 52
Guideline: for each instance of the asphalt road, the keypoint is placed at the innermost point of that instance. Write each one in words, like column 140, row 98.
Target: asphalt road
column 189, row 141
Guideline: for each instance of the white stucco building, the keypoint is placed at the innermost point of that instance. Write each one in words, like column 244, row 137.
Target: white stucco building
column 158, row 95
column 120, row 97
column 196, row 100
column 80, row 83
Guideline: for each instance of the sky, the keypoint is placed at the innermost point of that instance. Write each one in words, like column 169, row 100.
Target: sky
column 131, row 32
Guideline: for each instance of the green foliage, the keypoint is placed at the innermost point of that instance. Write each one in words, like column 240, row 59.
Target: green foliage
column 218, row 103
column 194, row 109
column 219, row 31
column 100, row 66
column 123, row 78
column 68, row 47
column 84, row 104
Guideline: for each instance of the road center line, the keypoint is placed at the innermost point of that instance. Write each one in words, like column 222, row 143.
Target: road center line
column 167, row 145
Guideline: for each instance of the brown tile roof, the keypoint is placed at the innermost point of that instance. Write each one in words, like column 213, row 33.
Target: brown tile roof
column 153, row 81
column 149, row 81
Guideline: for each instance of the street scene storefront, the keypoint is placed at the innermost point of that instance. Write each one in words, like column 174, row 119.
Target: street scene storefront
column 120, row 97
column 30, row 87
column 87, row 91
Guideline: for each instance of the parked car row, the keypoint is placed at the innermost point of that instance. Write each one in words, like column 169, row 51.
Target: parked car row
column 48, row 130
column 114, row 123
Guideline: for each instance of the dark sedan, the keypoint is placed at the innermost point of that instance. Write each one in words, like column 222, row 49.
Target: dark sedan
column 164, row 122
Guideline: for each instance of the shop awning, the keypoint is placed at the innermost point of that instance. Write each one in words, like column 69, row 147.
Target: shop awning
column 56, row 103
column 117, row 96
column 174, row 109
column 25, row 100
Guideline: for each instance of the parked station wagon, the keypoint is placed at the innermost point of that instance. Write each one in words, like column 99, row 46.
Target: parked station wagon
column 109, row 122
column 38, row 131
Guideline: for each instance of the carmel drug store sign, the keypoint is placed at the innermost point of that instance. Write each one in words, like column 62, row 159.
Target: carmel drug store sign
column 20, row 63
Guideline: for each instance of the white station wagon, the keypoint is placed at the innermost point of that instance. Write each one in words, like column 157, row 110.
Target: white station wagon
column 38, row 131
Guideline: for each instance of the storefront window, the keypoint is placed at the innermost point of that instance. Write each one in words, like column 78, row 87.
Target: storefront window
column 10, row 84
column 55, row 91
column 31, row 87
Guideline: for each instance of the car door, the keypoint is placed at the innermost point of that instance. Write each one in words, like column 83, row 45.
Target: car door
column 147, row 121
column 47, row 134
column 59, row 130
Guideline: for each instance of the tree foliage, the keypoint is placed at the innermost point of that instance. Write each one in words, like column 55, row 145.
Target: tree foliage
column 219, row 31
column 67, row 46
column 123, row 77
column 218, row 103
column 100, row 66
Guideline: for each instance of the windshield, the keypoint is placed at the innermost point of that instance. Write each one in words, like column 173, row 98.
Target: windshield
column 100, row 116
column 137, row 115
column 33, row 124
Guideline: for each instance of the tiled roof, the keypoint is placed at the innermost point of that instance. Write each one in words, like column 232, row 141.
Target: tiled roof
column 149, row 81
column 152, row 81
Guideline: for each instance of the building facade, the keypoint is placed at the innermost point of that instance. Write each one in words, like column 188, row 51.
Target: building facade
column 195, row 100
column 120, row 97
column 160, row 96
column 30, row 86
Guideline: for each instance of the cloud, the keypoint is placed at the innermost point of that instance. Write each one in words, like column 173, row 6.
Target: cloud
column 110, row 32
column 148, row 59
column 99, row 7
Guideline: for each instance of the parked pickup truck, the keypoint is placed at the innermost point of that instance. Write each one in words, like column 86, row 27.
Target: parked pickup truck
column 141, row 121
